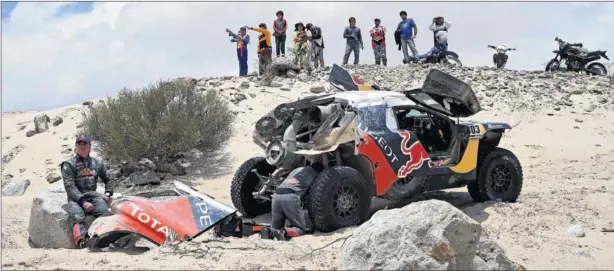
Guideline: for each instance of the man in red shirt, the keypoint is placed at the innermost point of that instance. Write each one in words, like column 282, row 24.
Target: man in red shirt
column 378, row 42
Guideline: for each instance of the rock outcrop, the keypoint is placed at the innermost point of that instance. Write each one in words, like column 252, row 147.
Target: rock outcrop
column 431, row 235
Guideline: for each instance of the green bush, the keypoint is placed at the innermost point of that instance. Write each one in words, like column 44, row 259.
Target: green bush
column 158, row 121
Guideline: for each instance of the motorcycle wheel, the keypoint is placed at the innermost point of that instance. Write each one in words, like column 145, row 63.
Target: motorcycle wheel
column 450, row 60
column 553, row 65
column 596, row 69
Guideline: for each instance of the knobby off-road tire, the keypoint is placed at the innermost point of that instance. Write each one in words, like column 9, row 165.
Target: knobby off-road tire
column 488, row 160
column 324, row 197
column 244, row 184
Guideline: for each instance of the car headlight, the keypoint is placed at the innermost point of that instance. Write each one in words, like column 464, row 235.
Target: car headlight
column 275, row 153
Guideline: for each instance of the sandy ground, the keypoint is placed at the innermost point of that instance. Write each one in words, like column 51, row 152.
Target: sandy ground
column 565, row 158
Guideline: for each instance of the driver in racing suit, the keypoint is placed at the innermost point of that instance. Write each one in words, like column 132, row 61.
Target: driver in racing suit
column 80, row 174
column 287, row 204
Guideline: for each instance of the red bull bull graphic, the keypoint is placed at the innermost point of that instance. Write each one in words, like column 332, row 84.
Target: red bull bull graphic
column 416, row 152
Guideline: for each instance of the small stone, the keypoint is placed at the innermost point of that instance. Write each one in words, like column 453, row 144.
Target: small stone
column 57, row 121
column 239, row 97
column 285, row 89
column 583, row 252
column 317, row 89
column 53, row 177
column 578, row 120
column 30, row 133
column 244, row 84
column 576, row 231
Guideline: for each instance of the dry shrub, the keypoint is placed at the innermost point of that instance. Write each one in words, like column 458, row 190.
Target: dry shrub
column 159, row 121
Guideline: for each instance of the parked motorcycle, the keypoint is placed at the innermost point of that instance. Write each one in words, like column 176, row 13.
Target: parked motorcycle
column 499, row 59
column 440, row 55
column 574, row 57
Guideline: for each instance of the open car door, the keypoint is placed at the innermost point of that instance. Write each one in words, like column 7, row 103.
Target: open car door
column 446, row 94
column 344, row 80
column 179, row 219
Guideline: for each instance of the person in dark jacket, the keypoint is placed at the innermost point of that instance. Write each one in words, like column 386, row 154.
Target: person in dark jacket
column 287, row 204
column 80, row 174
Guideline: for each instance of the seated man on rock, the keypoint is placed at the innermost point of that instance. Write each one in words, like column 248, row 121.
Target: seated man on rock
column 80, row 174
column 287, row 204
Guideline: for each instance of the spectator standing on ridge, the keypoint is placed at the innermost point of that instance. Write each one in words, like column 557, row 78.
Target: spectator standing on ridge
column 242, row 40
column 407, row 35
column 301, row 44
column 353, row 41
column 317, row 45
column 378, row 42
column 265, row 48
column 80, row 174
column 439, row 24
column 280, row 25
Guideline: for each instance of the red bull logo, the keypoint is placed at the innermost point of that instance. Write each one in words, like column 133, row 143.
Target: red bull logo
column 87, row 172
column 417, row 155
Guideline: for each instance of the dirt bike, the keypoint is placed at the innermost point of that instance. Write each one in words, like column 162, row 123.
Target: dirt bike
column 574, row 57
column 440, row 55
column 182, row 218
column 499, row 59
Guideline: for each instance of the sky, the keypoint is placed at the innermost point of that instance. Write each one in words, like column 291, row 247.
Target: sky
column 60, row 53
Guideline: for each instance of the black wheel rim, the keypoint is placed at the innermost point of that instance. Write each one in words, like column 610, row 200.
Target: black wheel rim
column 345, row 202
column 499, row 180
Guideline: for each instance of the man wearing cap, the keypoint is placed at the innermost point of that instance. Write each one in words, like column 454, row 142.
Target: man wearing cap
column 80, row 174
column 378, row 42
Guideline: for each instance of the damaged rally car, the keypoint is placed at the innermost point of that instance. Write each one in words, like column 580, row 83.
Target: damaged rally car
column 387, row 144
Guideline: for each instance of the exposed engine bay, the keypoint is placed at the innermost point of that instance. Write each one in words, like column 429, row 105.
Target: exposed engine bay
column 304, row 133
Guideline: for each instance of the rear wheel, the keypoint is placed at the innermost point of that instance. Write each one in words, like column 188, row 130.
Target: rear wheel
column 339, row 197
column 597, row 69
column 249, row 178
column 499, row 177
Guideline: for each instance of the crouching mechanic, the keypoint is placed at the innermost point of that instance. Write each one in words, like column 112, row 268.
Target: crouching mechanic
column 288, row 204
column 80, row 174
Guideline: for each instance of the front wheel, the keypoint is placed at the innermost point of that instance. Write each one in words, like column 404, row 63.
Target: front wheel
column 553, row 65
column 339, row 197
column 499, row 177
column 597, row 69
column 248, row 179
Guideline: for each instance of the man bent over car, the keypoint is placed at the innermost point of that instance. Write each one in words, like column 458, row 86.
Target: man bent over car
column 288, row 204
column 80, row 174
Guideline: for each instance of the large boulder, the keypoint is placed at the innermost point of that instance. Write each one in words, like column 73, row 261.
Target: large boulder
column 430, row 235
column 50, row 226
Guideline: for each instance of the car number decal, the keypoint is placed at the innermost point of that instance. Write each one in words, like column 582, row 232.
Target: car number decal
column 474, row 131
